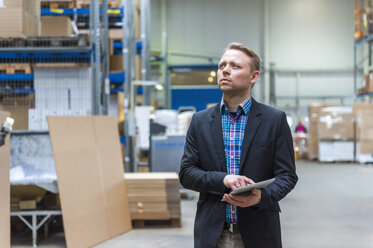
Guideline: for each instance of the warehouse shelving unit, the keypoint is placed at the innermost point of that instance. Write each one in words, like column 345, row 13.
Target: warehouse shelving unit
column 363, row 45
column 36, row 50
column 47, row 50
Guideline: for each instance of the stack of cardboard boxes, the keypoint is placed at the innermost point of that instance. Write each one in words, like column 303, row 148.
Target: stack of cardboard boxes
column 19, row 18
column 364, row 132
column 153, row 196
column 313, row 143
column 341, row 133
column 336, row 134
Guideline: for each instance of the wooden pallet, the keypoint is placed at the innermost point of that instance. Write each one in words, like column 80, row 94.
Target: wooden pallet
column 57, row 5
column 15, row 68
column 154, row 219
column 168, row 223
column 85, row 4
column 338, row 162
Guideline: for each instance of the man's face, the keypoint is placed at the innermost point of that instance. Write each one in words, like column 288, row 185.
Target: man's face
column 235, row 76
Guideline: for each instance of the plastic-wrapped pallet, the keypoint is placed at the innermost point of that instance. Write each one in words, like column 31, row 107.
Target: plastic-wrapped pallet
column 336, row 134
column 60, row 91
column 364, row 132
column 314, row 115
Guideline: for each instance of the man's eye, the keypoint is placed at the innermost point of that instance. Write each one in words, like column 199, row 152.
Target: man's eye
column 221, row 66
column 235, row 66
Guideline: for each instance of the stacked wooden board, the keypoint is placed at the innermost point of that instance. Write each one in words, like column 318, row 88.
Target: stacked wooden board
column 153, row 196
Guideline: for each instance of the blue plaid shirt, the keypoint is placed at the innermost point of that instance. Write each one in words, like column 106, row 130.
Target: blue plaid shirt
column 233, row 132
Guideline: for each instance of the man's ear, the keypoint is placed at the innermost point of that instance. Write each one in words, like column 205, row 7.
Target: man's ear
column 254, row 77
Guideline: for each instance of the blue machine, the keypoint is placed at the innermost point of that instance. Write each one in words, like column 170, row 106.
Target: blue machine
column 197, row 96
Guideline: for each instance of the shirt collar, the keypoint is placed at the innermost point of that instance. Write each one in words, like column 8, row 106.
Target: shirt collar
column 244, row 106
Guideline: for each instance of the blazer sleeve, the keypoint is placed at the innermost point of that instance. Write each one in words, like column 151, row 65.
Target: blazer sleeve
column 284, row 166
column 193, row 175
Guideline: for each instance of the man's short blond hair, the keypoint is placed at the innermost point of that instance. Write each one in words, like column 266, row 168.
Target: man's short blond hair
column 255, row 60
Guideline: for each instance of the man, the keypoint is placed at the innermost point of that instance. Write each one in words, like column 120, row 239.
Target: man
column 233, row 144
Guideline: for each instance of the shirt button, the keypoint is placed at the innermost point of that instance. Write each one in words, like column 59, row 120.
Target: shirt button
column 231, row 156
column 232, row 138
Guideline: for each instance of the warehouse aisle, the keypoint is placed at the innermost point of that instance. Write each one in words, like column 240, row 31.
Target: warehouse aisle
column 331, row 206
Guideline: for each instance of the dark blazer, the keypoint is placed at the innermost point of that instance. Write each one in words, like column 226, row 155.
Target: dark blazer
column 267, row 152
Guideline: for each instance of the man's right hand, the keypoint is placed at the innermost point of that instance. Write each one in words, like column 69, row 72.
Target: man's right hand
column 235, row 181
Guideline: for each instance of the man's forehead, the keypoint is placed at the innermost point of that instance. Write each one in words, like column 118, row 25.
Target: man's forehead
column 234, row 54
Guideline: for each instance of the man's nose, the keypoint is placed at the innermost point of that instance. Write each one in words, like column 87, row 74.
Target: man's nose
column 226, row 70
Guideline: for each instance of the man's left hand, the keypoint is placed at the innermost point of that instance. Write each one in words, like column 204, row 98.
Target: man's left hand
column 244, row 201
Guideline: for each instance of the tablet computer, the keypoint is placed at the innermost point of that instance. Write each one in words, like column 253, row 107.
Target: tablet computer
column 246, row 190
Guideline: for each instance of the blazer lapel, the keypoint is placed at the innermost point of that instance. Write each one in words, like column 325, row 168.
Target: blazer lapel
column 253, row 122
column 217, row 136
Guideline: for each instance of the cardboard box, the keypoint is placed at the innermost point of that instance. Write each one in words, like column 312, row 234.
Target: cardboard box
column 91, row 185
column 359, row 110
column 19, row 114
column 21, row 192
column 336, row 123
column 116, row 63
column 313, row 142
column 363, row 157
column 5, row 188
column 27, row 204
column 366, row 132
column 369, row 82
column 56, row 26
column 14, row 101
column 111, row 3
column 20, row 18
column 116, row 34
column 153, row 195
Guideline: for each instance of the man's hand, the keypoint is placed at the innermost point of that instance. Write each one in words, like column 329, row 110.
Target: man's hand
column 244, row 201
column 235, row 181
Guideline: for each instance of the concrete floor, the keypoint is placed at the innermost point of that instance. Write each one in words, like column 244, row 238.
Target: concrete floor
column 331, row 206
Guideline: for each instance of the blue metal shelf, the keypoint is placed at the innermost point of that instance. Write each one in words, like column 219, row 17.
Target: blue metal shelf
column 123, row 140
column 17, row 77
column 116, row 90
column 193, row 67
column 116, row 77
column 365, row 40
column 18, row 91
column 118, row 45
column 45, row 57
column 83, row 11
column 365, row 94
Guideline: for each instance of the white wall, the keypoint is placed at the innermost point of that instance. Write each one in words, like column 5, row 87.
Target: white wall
column 303, row 35
column 312, row 34
column 206, row 27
